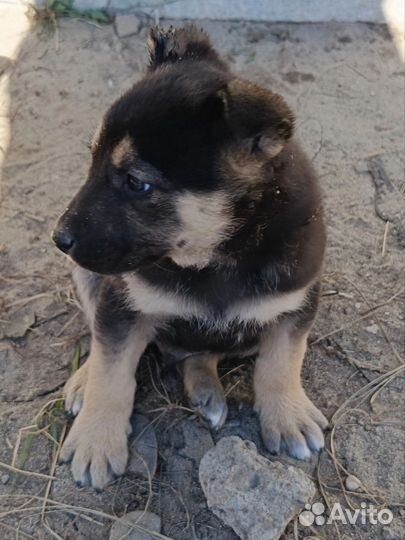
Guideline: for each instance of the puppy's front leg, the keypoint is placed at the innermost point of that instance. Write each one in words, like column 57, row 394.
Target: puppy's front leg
column 97, row 442
column 288, row 418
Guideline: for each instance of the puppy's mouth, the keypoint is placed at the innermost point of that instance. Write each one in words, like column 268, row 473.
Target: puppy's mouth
column 110, row 262
column 113, row 266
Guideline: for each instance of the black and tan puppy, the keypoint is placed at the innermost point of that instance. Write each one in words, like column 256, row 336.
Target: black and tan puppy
column 199, row 228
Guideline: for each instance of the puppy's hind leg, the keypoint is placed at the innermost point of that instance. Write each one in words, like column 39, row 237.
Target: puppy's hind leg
column 204, row 388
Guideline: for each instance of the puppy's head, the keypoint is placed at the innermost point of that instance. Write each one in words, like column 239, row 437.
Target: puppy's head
column 173, row 160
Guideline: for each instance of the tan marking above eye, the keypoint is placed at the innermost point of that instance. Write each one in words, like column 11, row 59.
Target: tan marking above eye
column 124, row 149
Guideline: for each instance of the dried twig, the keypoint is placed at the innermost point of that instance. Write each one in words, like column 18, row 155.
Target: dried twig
column 26, row 473
column 384, row 244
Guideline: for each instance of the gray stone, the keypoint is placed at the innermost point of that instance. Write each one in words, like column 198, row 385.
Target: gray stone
column 143, row 447
column 197, row 441
column 254, row 496
column 142, row 523
column 127, row 25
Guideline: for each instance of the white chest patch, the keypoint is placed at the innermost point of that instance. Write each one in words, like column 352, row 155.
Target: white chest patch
column 155, row 301
column 269, row 308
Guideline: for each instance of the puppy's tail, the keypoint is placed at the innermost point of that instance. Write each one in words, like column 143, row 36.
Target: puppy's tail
column 177, row 44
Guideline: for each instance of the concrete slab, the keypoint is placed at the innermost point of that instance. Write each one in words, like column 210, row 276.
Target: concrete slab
column 253, row 10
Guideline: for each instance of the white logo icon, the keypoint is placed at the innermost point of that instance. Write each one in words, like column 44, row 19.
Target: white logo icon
column 312, row 514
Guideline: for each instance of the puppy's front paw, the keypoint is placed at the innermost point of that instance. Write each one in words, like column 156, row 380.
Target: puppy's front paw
column 74, row 390
column 97, row 445
column 291, row 422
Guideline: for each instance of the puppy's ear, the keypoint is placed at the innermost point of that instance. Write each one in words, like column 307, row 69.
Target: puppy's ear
column 176, row 44
column 260, row 119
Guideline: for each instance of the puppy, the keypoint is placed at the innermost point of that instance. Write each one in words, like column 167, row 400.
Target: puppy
column 200, row 228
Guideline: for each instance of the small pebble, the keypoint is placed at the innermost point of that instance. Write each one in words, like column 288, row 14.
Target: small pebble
column 4, row 478
column 352, row 483
column 311, row 538
column 372, row 329
column 146, row 520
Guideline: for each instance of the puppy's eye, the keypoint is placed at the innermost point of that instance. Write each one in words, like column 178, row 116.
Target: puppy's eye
column 136, row 186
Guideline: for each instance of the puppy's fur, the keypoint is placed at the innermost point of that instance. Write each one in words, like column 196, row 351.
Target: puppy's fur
column 200, row 227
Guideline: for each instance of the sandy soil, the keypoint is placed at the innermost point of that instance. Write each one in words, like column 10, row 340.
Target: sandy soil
column 346, row 85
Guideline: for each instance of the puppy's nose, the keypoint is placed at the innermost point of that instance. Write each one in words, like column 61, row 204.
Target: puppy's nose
column 64, row 240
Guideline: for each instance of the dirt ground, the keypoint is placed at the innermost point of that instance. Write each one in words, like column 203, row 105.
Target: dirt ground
column 346, row 84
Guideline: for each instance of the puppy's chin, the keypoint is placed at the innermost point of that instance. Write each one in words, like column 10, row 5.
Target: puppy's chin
column 105, row 267
column 110, row 266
